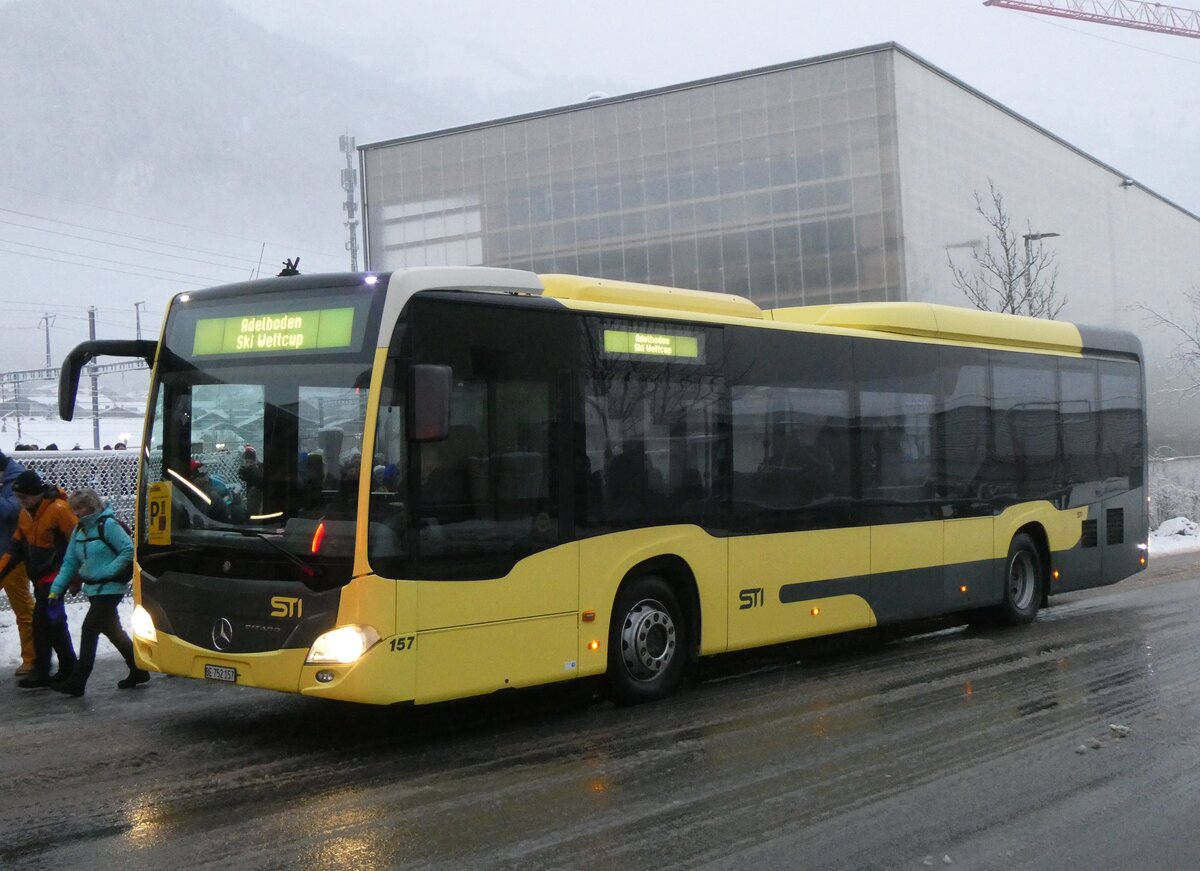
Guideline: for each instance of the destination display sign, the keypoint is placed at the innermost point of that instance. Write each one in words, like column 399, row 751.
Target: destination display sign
column 316, row 330
column 651, row 344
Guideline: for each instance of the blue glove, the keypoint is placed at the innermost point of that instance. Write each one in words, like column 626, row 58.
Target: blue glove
column 55, row 609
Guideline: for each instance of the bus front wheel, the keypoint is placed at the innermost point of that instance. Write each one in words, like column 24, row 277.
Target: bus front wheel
column 647, row 642
column 1023, row 582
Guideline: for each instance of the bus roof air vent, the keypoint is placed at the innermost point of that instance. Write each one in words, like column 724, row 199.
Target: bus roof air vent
column 627, row 294
column 939, row 321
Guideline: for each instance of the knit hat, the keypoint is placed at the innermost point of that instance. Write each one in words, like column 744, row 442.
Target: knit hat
column 29, row 483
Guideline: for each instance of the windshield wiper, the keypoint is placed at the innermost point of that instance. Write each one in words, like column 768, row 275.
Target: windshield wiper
column 310, row 571
column 167, row 550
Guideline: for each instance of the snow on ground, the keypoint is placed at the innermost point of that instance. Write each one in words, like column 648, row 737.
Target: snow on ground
column 1178, row 535
column 10, row 645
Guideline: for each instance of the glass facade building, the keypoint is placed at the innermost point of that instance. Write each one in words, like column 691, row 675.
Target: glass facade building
column 779, row 185
column 844, row 178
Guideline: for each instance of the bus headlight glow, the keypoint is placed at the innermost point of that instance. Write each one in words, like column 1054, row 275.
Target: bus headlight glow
column 343, row 645
column 143, row 624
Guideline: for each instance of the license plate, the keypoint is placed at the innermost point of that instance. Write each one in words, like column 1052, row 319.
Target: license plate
column 220, row 672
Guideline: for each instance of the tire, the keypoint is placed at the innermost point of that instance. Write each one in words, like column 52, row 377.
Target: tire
column 647, row 642
column 1024, row 581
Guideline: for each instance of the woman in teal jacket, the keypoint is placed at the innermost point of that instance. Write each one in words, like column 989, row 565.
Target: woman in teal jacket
column 100, row 554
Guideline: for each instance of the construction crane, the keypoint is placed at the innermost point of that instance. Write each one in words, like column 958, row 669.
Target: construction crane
column 1124, row 13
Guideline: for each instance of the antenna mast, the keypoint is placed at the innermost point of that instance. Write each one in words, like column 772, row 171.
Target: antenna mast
column 349, row 184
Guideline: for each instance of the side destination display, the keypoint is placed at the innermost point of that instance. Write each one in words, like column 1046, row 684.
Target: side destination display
column 319, row 329
column 651, row 344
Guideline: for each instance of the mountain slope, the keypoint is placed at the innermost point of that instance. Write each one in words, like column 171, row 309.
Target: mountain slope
column 182, row 109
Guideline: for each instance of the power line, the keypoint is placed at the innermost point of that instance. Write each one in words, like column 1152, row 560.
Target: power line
column 107, row 260
column 105, row 268
column 67, row 310
column 168, row 223
column 119, row 245
column 126, row 235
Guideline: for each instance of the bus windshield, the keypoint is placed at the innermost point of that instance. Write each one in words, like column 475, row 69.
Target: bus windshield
column 254, row 443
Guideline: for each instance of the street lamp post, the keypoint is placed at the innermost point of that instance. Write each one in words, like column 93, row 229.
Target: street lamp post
column 1030, row 238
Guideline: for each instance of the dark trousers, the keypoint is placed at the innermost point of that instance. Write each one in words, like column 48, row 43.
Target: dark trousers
column 50, row 632
column 101, row 619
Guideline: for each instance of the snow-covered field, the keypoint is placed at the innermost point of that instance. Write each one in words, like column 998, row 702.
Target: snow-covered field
column 1178, row 535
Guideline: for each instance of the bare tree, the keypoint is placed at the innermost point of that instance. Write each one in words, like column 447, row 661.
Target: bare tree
column 1185, row 330
column 1012, row 273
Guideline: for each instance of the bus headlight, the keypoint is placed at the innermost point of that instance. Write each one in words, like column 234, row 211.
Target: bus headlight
column 143, row 624
column 343, row 645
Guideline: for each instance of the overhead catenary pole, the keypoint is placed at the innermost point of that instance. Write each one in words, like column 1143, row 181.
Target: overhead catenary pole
column 48, row 320
column 137, row 316
column 95, row 376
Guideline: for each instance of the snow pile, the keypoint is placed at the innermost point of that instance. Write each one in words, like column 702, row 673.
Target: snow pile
column 1177, row 535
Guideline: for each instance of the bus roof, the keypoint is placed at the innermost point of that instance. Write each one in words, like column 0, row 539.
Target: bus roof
column 913, row 319
column 897, row 319
column 940, row 322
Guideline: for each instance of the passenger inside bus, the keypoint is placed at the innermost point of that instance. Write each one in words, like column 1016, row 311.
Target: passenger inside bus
column 310, row 495
column 634, row 486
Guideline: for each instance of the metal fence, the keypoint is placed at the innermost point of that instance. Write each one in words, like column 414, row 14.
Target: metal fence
column 112, row 474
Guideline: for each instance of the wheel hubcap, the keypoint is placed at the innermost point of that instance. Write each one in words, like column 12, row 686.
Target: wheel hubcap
column 1022, row 580
column 647, row 639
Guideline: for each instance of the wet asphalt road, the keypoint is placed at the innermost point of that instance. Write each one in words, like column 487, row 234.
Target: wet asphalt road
column 957, row 748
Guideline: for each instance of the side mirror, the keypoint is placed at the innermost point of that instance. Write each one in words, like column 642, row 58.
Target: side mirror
column 429, row 402
column 84, row 353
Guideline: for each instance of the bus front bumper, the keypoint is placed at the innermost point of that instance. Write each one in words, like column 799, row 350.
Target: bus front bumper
column 383, row 675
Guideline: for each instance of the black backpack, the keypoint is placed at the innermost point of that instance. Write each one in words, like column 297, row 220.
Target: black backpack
column 127, row 575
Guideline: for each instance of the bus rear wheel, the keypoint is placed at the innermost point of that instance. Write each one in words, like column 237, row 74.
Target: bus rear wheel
column 647, row 642
column 1023, row 582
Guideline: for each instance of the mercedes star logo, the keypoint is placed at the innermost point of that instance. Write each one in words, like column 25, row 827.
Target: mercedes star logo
column 222, row 634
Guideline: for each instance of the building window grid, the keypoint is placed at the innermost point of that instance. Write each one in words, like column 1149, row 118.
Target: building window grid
column 703, row 109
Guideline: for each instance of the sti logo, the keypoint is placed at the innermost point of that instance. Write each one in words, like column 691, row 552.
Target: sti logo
column 286, row 606
column 750, row 598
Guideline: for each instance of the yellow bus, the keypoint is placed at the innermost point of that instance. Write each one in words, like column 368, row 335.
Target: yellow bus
column 464, row 480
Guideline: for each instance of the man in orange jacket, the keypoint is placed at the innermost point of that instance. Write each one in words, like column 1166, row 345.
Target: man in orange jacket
column 16, row 585
column 43, row 530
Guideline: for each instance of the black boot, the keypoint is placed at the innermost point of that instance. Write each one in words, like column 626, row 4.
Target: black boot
column 136, row 676
column 64, row 671
column 70, row 687
column 33, row 682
